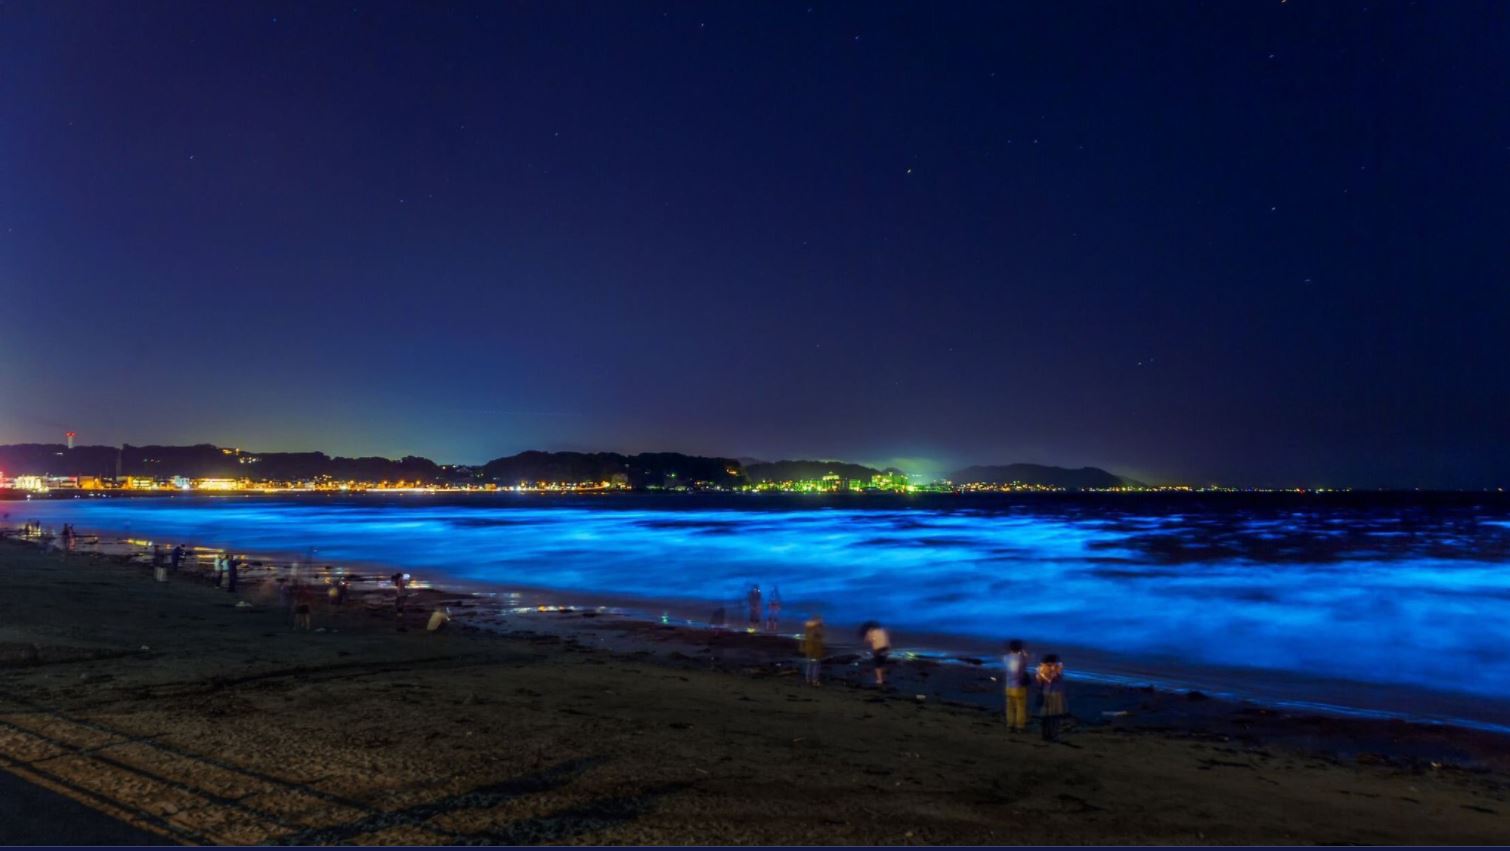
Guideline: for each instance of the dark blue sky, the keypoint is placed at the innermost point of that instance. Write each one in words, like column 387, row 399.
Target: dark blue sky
column 1242, row 242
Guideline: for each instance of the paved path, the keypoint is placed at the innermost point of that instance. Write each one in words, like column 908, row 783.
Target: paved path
column 32, row 815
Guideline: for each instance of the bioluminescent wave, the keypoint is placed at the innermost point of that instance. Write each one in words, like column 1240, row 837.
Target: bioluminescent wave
column 1387, row 596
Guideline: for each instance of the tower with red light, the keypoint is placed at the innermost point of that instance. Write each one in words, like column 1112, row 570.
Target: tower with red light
column 70, row 435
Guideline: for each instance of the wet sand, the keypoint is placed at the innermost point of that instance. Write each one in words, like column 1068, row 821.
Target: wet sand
column 169, row 707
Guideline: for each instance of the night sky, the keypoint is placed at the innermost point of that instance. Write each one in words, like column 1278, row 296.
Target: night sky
column 1253, row 243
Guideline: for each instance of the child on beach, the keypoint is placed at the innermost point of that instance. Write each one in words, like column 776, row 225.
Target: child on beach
column 879, row 642
column 1055, row 707
column 773, row 610
column 1017, row 678
column 812, row 648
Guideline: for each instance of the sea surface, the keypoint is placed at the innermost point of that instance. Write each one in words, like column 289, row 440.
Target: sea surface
column 1393, row 604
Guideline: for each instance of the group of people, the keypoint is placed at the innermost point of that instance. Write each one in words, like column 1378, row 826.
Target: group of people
column 227, row 571
column 175, row 557
column 29, row 529
column 1020, row 673
column 1049, row 678
column 772, row 608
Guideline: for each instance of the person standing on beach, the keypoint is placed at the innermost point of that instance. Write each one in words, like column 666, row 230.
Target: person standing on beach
column 339, row 590
column 1017, row 679
column 812, row 648
column 302, row 607
column 177, row 559
column 1055, row 707
column 398, row 599
column 232, row 570
column 773, row 610
column 754, row 601
column 157, row 555
column 879, row 642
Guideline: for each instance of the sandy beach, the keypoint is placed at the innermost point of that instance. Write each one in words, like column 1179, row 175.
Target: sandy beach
column 173, row 708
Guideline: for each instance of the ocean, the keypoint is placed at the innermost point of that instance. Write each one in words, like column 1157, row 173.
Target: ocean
column 1388, row 604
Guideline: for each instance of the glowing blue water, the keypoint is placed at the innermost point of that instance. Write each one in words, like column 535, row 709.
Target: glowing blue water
column 1371, row 595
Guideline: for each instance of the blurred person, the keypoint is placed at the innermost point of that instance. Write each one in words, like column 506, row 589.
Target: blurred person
column 876, row 638
column 302, row 612
column 754, row 600
column 339, row 590
column 1055, row 707
column 773, row 610
column 813, row 634
column 1017, row 681
column 400, row 582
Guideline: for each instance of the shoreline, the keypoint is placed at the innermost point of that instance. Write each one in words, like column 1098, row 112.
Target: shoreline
column 955, row 678
column 207, row 721
column 1121, row 688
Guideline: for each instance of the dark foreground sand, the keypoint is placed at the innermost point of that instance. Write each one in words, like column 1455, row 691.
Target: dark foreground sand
column 166, row 706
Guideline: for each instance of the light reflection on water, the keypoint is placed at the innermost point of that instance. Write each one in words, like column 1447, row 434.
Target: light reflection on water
column 1393, row 595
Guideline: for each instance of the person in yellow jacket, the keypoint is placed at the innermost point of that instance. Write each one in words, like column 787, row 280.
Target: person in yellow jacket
column 1016, row 663
column 812, row 648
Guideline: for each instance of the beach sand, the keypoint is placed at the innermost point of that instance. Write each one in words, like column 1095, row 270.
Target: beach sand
column 167, row 706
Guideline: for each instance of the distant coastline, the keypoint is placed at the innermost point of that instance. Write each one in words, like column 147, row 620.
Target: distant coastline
column 44, row 468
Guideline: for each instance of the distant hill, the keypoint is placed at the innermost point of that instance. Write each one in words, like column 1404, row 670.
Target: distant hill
column 1039, row 474
column 647, row 469
column 207, row 461
column 789, row 471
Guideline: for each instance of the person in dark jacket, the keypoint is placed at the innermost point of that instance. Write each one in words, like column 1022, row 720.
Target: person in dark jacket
column 1055, row 707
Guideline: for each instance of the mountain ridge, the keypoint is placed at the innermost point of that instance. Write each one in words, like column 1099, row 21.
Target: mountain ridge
column 1040, row 474
column 635, row 470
